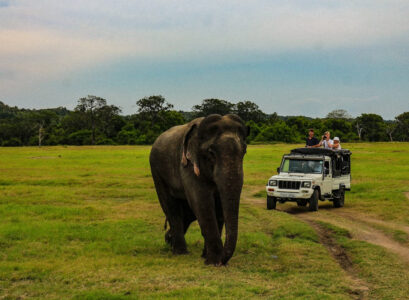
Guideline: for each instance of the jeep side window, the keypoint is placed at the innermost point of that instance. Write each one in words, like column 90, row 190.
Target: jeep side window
column 336, row 166
column 346, row 165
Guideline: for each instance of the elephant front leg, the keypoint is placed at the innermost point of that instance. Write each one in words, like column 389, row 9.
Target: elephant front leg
column 220, row 223
column 213, row 248
column 201, row 200
column 213, row 251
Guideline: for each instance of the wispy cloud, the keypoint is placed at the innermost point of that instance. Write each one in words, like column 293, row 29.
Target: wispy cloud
column 50, row 39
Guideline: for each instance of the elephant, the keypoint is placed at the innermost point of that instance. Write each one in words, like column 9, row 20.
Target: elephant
column 197, row 169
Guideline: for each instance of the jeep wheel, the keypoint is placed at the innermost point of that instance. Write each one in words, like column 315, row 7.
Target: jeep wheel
column 271, row 202
column 313, row 203
column 339, row 200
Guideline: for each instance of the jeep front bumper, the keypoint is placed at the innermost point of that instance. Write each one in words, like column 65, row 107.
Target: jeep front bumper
column 302, row 193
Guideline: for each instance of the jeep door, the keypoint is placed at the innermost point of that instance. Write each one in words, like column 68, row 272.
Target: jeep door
column 327, row 183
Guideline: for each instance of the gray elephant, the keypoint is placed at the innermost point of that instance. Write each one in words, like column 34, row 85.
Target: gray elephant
column 197, row 169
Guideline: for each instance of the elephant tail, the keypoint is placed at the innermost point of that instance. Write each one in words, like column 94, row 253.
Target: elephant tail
column 165, row 226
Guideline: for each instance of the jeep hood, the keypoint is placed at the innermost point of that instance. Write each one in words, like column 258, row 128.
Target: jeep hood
column 296, row 176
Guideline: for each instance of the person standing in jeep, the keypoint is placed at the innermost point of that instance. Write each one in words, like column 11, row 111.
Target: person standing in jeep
column 311, row 141
column 326, row 141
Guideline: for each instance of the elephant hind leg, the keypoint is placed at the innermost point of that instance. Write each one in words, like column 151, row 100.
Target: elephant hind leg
column 174, row 215
column 176, row 236
column 180, row 221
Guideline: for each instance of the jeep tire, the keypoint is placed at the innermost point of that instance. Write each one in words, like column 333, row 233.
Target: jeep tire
column 340, row 198
column 313, row 203
column 271, row 202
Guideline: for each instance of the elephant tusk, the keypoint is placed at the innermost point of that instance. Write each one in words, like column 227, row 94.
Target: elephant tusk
column 184, row 160
column 196, row 169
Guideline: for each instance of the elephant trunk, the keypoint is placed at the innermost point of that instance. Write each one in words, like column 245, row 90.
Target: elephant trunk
column 230, row 189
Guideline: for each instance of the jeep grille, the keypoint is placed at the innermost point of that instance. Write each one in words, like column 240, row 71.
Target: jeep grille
column 289, row 185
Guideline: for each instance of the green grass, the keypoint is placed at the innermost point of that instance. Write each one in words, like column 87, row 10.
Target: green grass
column 85, row 223
column 384, row 273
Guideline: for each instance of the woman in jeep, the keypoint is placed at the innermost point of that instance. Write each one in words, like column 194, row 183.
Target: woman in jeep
column 326, row 141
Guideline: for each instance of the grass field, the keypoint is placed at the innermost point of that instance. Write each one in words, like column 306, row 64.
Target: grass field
column 85, row 223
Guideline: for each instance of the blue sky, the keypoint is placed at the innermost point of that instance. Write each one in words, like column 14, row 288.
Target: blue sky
column 290, row 57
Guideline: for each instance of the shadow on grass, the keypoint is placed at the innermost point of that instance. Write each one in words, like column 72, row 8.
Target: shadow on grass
column 295, row 210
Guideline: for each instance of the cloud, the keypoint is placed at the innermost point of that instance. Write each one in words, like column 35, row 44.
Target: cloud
column 4, row 3
column 47, row 39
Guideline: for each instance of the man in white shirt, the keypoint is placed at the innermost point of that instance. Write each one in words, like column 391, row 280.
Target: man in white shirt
column 326, row 141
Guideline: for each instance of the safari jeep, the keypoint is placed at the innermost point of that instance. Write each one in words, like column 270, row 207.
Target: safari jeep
column 307, row 175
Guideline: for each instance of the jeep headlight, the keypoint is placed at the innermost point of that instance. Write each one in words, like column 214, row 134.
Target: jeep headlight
column 306, row 184
column 272, row 182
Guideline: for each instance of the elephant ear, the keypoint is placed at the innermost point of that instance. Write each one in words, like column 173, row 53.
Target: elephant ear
column 189, row 149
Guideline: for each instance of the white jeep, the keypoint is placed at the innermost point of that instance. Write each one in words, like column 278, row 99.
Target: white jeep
column 307, row 175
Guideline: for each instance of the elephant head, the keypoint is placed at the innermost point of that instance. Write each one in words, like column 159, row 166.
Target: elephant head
column 215, row 146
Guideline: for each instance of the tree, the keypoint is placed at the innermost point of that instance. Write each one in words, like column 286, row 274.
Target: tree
column 273, row 118
column 359, row 129
column 155, row 115
column 213, row 106
column 93, row 113
column 279, row 132
column 338, row 114
column 110, row 121
column 302, row 124
column 248, row 110
column 390, row 128
column 42, row 120
column 341, row 128
column 150, row 107
column 89, row 107
column 373, row 127
column 402, row 128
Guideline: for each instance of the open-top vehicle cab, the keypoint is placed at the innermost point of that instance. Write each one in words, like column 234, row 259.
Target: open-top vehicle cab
column 307, row 175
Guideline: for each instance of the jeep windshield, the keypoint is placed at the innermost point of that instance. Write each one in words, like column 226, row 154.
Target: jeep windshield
column 302, row 166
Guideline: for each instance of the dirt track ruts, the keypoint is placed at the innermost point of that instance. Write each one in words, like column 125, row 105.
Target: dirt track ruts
column 359, row 288
column 359, row 226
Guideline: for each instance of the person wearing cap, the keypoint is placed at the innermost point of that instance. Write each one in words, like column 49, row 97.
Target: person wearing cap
column 311, row 141
column 336, row 145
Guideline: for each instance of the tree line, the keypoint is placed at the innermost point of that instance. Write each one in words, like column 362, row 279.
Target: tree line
column 95, row 122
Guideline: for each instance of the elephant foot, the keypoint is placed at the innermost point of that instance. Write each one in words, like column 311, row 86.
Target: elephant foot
column 180, row 251
column 215, row 260
column 168, row 237
column 214, row 263
column 177, row 243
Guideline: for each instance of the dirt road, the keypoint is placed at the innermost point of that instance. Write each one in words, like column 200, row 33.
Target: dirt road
column 361, row 227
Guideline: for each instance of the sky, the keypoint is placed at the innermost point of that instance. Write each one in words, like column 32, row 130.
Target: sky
column 290, row 57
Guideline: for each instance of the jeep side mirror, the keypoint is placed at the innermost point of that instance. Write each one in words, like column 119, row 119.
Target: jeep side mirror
column 278, row 170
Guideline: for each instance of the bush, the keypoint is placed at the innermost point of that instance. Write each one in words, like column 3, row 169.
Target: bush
column 80, row 137
column 278, row 132
column 105, row 141
column 13, row 142
column 127, row 137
